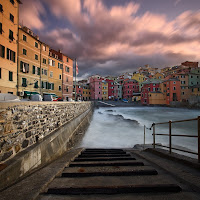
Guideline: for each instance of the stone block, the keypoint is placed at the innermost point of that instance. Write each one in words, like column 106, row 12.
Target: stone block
column 6, row 155
column 17, row 148
column 25, row 143
column 28, row 134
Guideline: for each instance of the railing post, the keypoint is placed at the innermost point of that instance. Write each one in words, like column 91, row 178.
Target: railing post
column 154, row 136
column 170, row 136
column 144, row 137
column 199, row 139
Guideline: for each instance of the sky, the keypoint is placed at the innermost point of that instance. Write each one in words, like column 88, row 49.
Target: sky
column 110, row 37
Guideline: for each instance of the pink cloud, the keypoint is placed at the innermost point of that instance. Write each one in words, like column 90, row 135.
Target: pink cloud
column 30, row 12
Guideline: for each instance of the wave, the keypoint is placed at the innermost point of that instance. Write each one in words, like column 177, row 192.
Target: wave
column 121, row 118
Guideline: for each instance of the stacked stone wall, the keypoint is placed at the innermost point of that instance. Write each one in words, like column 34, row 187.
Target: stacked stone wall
column 23, row 124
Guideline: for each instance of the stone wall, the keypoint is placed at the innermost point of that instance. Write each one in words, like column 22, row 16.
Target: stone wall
column 22, row 124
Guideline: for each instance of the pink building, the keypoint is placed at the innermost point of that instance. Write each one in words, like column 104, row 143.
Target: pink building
column 130, row 86
column 96, row 87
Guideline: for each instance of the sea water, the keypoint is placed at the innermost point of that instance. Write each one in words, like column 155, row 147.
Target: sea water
column 123, row 127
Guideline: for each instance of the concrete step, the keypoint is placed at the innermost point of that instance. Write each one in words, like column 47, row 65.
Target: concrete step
column 103, row 155
column 102, row 152
column 106, row 163
column 106, row 150
column 113, row 185
column 129, row 196
column 102, row 159
column 108, row 171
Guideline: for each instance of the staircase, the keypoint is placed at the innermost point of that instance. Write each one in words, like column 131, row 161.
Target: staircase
column 111, row 174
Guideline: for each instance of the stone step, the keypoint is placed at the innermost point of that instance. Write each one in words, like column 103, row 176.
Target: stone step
column 129, row 196
column 103, row 155
column 99, row 149
column 106, row 163
column 112, row 185
column 108, row 171
column 107, row 153
column 103, row 159
column 110, row 151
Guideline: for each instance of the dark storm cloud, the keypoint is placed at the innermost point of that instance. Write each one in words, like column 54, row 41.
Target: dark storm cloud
column 114, row 39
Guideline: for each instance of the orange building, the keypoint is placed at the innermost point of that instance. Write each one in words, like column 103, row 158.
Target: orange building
column 55, row 73
column 173, row 91
column 67, row 77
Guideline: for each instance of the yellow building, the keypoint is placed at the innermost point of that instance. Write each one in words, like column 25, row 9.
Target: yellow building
column 86, row 92
column 104, row 90
column 9, row 21
column 29, row 66
column 55, row 73
column 158, row 76
column 140, row 78
column 156, row 98
column 195, row 90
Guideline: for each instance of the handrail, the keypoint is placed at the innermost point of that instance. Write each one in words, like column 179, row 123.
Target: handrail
column 175, row 135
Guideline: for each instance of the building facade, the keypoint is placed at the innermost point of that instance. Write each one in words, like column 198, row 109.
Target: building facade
column 9, row 22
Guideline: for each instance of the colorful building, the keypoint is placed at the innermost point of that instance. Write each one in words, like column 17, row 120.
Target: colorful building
column 130, row 86
column 117, row 91
column 149, row 86
column 9, row 22
column 194, row 77
column 96, row 87
column 86, row 96
column 104, row 90
column 140, row 78
column 29, row 63
column 55, row 73
column 195, row 90
column 158, row 76
column 173, row 90
column 110, row 89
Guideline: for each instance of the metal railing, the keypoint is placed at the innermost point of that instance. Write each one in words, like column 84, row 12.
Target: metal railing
column 175, row 135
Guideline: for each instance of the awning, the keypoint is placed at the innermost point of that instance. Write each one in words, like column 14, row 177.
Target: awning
column 27, row 93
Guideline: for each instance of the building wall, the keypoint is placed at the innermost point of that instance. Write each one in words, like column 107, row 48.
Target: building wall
column 5, row 64
column 140, row 78
column 86, row 93
column 157, row 99
column 56, row 75
column 110, row 88
column 104, row 90
column 32, row 75
column 67, row 77
column 130, row 87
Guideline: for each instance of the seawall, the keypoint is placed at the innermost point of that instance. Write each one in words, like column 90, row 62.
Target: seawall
column 32, row 134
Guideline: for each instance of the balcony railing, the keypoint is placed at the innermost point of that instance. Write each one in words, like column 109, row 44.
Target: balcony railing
column 176, row 135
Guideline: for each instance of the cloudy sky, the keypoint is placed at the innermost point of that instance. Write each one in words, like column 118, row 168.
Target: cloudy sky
column 109, row 37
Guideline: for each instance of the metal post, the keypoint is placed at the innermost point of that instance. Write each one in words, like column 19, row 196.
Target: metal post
column 170, row 136
column 75, row 77
column 154, row 136
column 199, row 139
column 144, row 137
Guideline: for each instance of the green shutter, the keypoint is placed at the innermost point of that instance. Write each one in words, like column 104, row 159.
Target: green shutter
column 21, row 66
column 38, row 71
column 13, row 56
column 33, row 69
column 42, row 84
column 3, row 51
column 52, row 86
column 49, row 85
column 8, row 53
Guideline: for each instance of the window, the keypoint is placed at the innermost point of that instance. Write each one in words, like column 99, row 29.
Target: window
column 24, row 51
column 67, row 60
column 24, row 82
column 44, row 61
column 36, row 44
column 0, row 73
column 51, row 74
column 60, row 77
column 1, row 8
column 24, row 67
column 1, row 30
column 67, row 79
column 36, row 84
column 44, row 71
column 24, row 38
column 2, row 51
column 51, row 86
column 12, row 1
column 183, row 93
column 53, row 63
column 10, row 76
column 10, row 55
column 191, row 76
column 60, row 66
column 67, row 69
column 174, row 88
column 67, row 89
column 44, row 48
column 36, row 70
column 11, row 35
column 11, row 18
column 36, row 57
